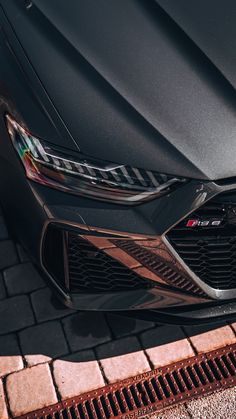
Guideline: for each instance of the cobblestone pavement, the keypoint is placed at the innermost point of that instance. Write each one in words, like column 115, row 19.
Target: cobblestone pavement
column 49, row 352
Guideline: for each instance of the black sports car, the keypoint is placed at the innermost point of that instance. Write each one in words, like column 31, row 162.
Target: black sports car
column 118, row 150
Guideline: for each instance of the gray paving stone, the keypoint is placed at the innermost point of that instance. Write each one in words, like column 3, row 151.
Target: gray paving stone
column 123, row 326
column 8, row 255
column 22, row 279
column 47, row 306
column 9, row 345
column 3, row 229
column 22, row 254
column 162, row 335
column 15, row 314
column 43, row 342
column 2, row 288
column 194, row 330
column 86, row 330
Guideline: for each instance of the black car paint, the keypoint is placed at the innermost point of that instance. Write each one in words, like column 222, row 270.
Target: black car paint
column 146, row 86
column 118, row 80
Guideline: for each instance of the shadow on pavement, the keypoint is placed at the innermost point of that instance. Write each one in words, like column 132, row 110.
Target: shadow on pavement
column 55, row 331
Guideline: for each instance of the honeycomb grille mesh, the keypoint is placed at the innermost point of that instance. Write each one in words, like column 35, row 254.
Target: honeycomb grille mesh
column 92, row 270
column 210, row 252
column 212, row 259
column 160, row 267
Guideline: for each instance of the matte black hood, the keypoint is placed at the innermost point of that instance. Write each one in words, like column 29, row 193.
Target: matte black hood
column 138, row 84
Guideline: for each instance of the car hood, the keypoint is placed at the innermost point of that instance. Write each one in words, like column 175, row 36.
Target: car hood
column 151, row 84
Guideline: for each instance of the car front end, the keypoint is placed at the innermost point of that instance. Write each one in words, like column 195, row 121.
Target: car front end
column 119, row 182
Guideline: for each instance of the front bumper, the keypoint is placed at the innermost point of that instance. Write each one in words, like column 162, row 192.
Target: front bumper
column 134, row 238
column 102, row 271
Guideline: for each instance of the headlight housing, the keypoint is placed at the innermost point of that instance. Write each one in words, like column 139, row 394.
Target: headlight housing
column 74, row 173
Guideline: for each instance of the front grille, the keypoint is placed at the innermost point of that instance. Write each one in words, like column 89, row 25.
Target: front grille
column 210, row 252
column 92, row 270
column 212, row 259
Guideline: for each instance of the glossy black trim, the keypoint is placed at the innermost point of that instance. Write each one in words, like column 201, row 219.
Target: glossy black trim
column 190, row 315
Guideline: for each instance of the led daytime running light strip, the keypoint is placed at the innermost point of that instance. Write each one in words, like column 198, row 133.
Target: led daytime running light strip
column 79, row 175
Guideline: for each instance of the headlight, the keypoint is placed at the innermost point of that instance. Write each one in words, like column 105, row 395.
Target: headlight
column 72, row 172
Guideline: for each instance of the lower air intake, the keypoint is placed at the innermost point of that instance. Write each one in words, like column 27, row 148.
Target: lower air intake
column 160, row 267
column 92, row 270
